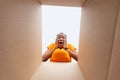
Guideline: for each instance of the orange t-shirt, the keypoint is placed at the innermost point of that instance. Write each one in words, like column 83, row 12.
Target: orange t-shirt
column 60, row 55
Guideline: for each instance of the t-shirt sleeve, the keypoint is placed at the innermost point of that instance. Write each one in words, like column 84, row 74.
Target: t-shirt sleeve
column 51, row 46
column 71, row 47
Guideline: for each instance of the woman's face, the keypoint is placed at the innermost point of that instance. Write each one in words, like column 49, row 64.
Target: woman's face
column 61, row 40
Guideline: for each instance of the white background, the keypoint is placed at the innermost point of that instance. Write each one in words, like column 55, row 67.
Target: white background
column 56, row 19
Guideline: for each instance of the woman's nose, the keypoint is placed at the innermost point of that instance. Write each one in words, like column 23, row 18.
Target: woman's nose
column 61, row 38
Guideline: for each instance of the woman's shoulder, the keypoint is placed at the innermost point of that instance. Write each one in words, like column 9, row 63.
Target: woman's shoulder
column 51, row 46
column 71, row 47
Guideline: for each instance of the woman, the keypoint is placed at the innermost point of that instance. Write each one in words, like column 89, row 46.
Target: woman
column 60, row 51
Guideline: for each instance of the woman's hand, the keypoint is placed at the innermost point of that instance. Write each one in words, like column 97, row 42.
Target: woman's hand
column 48, row 54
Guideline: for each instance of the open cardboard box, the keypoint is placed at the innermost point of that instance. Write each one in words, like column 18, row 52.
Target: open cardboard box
column 20, row 39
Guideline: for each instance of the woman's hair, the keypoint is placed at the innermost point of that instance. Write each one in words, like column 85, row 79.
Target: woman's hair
column 62, row 33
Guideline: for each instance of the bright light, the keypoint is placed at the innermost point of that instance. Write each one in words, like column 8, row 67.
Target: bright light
column 56, row 19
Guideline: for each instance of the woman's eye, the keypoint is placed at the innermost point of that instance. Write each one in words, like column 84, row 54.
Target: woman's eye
column 61, row 37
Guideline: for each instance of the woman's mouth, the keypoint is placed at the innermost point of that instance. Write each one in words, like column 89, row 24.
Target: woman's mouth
column 60, row 42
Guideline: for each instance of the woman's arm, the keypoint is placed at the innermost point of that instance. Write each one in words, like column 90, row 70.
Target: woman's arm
column 48, row 54
column 73, row 54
